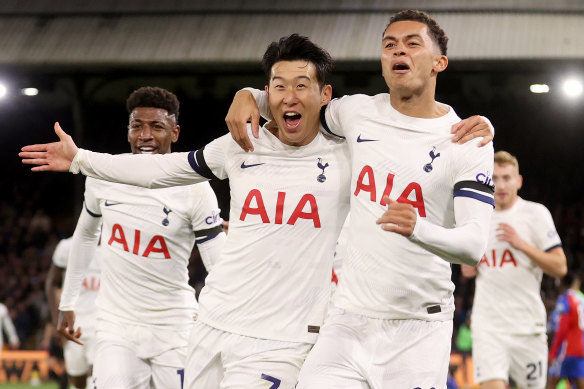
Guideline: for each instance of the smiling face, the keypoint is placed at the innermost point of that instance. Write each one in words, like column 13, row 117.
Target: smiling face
column 410, row 59
column 152, row 131
column 295, row 98
column 507, row 182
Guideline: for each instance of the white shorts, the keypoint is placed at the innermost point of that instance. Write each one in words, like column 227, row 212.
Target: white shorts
column 139, row 357
column 219, row 359
column 78, row 358
column 499, row 355
column 358, row 352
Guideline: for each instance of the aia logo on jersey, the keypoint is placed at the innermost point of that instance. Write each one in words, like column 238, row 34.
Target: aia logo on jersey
column 506, row 258
column 307, row 201
column 321, row 177
column 412, row 194
column 157, row 244
column 165, row 221
column 428, row 167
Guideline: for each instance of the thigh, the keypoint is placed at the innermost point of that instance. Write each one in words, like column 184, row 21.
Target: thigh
column 529, row 357
column 168, row 369
column 203, row 367
column 490, row 354
column 408, row 354
column 335, row 359
column 116, row 366
column 262, row 363
column 75, row 361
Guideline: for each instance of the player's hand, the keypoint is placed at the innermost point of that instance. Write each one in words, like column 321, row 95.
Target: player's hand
column 225, row 225
column 243, row 109
column 508, row 234
column 66, row 326
column 468, row 271
column 56, row 156
column 470, row 128
column 399, row 218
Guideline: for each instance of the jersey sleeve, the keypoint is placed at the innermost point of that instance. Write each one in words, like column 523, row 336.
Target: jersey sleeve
column 544, row 230
column 83, row 246
column 61, row 253
column 149, row 171
column 473, row 167
column 335, row 114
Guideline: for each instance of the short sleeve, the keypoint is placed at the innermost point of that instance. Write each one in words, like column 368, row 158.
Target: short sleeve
column 61, row 253
column 544, row 230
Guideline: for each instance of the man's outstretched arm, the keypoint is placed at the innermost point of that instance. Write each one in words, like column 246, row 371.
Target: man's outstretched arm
column 149, row 171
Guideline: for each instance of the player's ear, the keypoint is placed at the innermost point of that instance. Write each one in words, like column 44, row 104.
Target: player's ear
column 175, row 133
column 326, row 94
column 520, row 179
column 440, row 63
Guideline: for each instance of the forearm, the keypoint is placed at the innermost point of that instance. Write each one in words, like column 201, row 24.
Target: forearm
column 261, row 98
column 464, row 244
column 149, row 171
column 552, row 262
column 83, row 248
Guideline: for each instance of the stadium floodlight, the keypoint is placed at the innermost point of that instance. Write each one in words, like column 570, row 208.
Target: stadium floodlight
column 539, row 88
column 572, row 88
column 3, row 91
column 29, row 91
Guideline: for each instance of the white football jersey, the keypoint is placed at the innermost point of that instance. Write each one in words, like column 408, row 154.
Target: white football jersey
column 85, row 308
column 413, row 160
column 507, row 292
column 288, row 204
column 147, row 239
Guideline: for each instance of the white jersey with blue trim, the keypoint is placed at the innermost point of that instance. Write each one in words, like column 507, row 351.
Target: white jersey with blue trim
column 147, row 239
column 85, row 308
column 288, row 205
column 413, row 160
column 507, row 293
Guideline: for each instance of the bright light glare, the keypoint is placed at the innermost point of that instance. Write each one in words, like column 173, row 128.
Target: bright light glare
column 572, row 88
column 3, row 91
column 30, row 91
column 539, row 88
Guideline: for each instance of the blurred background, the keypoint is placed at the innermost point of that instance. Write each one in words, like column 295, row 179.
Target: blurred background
column 518, row 62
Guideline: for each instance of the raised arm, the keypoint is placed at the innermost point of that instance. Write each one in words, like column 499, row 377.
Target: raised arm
column 247, row 106
column 150, row 171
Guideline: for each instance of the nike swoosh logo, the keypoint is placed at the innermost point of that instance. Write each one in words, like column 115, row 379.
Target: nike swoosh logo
column 244, row 166
column 109, row 204
column 359, row 139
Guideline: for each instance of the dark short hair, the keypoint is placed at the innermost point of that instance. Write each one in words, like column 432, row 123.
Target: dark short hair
column 297, row 47
column 153, row 97
column 436, row 32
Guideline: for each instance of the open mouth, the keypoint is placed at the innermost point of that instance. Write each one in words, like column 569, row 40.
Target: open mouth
column 400, row 68
column 147, row 149
column 292, row 119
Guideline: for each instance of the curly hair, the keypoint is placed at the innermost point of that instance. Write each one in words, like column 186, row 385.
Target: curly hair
column 153, row 97
column 297, row 47
column 436, row 32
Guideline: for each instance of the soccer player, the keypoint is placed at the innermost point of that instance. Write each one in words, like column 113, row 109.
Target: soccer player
column 264, row 302
column 7, row 327
column 418, row 203
column 567, row 351
column 78, row 358
column 146, row 308
column 508, row 316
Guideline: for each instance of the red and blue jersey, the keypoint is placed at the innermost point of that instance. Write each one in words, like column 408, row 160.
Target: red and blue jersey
column 569, row 313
